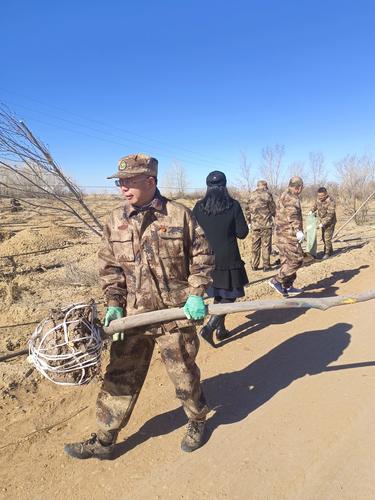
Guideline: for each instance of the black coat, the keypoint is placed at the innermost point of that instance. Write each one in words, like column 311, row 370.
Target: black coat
column 222, row 232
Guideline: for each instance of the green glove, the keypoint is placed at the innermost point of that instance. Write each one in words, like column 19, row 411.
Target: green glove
column 111, row 314
column 195, row 307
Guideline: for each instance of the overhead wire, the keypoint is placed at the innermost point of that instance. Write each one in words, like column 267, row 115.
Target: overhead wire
column 201, row 158
column 110, row 141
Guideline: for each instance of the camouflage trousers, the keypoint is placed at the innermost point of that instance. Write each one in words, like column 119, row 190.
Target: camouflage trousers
column 327, row 234
column 127, row 370
column 261, row 239
column 291, row 257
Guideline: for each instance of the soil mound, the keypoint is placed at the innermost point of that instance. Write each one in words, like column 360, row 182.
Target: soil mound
column 30, row 240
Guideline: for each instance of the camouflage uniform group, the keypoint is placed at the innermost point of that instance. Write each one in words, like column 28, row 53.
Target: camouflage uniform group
column 155, row 256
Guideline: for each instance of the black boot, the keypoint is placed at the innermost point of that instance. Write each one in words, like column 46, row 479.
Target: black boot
column 221, row 332
column 207, row 331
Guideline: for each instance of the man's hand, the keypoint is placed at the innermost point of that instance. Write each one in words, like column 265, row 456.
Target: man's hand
column 111, row 314
column 195, row 307
column 300, row 236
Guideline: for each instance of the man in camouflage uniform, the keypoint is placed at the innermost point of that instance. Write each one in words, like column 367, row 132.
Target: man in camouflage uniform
column 325, row 207
column 289, row 236
column 260, row 209
column 153, row 256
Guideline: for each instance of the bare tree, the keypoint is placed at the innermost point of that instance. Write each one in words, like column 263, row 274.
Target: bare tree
column 246, row 181
column 271, row 167
column 27, row 168
column 357, row 176
column 298, row 168
column 317, row 169
column 175, row 179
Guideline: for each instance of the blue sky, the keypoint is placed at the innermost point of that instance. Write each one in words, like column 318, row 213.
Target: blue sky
column 195, row 81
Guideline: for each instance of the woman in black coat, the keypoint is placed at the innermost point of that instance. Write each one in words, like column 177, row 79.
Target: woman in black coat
column 222, row 220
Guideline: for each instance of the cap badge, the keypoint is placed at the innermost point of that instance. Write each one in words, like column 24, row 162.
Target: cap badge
column 122, row 165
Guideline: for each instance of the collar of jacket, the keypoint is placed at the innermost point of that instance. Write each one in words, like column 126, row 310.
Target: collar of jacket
column 158, row 203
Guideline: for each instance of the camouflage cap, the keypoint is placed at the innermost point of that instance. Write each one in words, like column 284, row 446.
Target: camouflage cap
column 296, row 181
column 132, row 165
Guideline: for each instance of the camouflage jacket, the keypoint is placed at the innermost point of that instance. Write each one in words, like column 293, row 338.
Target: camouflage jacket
column 154, row 258
column 326, row 210
column 288, row 218
column 260, row 209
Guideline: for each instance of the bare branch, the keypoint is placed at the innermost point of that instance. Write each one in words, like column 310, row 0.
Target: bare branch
column 246, row 181
column 27, row 162
column 357, row 176
column 298, row 168
column 271, row 167
column 317, row 169
column 154, row 317
column 176, row 179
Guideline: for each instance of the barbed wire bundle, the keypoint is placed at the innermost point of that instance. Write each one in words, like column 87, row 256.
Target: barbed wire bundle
column 66, row 347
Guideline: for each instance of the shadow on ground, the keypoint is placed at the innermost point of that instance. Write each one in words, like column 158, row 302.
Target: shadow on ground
column 259, row 320
column 234, row 395
column 337, row 276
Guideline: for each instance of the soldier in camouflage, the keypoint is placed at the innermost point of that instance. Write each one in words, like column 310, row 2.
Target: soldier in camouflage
column 260, row 209
column 325, row 207
column 289, row 236
column 153, row 256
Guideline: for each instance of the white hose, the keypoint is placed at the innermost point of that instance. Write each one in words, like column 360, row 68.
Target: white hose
column 51, row 365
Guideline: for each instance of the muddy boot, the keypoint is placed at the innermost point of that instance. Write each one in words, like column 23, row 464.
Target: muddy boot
column 221, row 332
column 194, row 437
column 92, row 448
column 207, row 331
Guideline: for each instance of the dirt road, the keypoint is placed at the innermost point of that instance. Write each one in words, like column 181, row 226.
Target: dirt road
column 293, row 414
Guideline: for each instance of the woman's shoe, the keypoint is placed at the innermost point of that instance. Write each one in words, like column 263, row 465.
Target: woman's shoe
column 207, row 331
column 221, row 332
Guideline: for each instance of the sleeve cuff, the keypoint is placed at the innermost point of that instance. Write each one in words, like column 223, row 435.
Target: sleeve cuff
column 115, row 301
column 199, row 290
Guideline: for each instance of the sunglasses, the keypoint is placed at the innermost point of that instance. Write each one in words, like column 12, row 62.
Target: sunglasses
column 130, row 182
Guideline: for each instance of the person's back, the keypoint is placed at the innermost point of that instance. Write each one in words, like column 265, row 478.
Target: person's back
column 223, row 221
column 222, row 231
column 260, row 209
column 288, row 218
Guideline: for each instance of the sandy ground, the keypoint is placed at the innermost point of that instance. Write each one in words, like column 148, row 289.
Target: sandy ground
column 291, row 394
